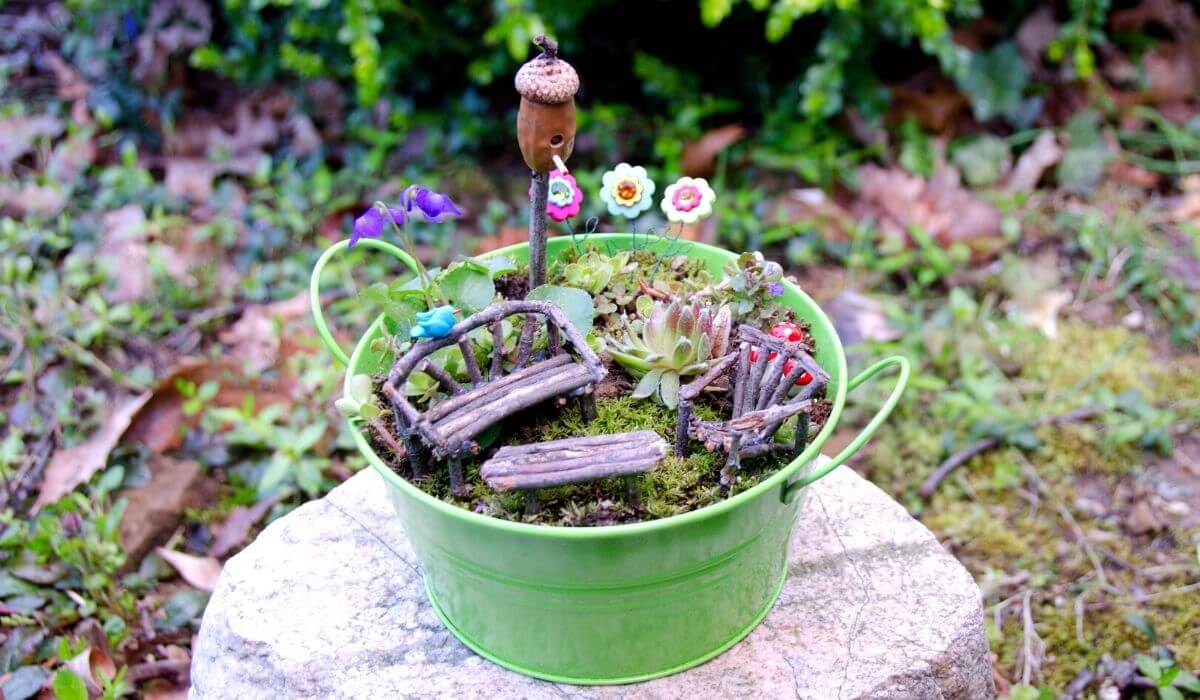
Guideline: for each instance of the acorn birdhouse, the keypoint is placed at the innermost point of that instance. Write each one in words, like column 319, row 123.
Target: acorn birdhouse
column 546, row 119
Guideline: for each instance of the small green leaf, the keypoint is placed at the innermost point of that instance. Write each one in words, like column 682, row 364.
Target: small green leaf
column 66, row 686
column 1169, row 693
column 361, row 388
column 575, row 303
column 668, row 389
column 347, row 407
column 1141, row 624
column 467, row 286
column 1149, row 667
column 497, row 265
column 1188, row 681
column 648, row 384
column 644, row 305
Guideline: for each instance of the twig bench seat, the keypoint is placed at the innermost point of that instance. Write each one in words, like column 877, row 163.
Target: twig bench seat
column 573, row 461
column 447, row 430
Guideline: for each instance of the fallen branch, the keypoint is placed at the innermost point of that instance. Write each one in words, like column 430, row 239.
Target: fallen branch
column 956, row 460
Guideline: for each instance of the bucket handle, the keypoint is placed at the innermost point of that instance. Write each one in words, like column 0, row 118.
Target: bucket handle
column 792, row 488
column 314, row 287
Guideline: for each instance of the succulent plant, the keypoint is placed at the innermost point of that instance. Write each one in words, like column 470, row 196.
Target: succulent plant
column 675, row 340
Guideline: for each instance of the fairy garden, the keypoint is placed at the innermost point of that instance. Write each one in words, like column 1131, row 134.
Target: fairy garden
column 618, row 381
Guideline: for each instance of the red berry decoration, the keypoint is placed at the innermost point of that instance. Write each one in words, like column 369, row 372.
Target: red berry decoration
column 805, row 376
column 754, row 354
column 787, row 331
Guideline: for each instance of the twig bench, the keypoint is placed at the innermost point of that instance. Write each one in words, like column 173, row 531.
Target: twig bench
column 760, row 400
column 448, row 429
column 572, row 461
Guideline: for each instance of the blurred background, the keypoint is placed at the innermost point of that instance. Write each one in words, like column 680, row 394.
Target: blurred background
column 1008, row 193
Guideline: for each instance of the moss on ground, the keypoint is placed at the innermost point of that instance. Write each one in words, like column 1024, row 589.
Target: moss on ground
column 1027, row 520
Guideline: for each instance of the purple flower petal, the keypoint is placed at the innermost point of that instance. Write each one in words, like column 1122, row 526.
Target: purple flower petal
column 369, row 225
column 423, row 204
column 775, row 289
column 372, row 222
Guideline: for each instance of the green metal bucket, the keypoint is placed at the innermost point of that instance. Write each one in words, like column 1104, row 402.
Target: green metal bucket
column 623, row 603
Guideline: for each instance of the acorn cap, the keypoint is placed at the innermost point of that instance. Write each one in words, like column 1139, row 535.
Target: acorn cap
column 547, row 78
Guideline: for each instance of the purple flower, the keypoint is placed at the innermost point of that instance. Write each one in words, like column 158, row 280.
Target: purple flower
column 775, row 289
column 371, row 223
column 423, row 204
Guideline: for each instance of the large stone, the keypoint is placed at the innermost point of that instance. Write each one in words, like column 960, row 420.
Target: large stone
column 328, row 602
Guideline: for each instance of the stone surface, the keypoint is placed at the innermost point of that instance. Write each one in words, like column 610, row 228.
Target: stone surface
column 328, row 602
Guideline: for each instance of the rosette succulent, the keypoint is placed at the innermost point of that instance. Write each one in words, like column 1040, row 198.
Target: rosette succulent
column 674, row 340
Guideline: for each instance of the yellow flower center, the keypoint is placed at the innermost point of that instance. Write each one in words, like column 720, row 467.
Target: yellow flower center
column 627, row 191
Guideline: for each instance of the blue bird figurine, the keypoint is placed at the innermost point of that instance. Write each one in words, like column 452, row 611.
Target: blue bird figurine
column 434, row 323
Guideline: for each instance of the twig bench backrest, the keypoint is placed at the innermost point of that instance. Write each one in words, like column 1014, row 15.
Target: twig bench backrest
column 760, row 394
column 449, row 427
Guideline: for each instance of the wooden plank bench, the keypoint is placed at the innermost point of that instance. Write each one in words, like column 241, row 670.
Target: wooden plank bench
column 572, row 461
column 448, row 429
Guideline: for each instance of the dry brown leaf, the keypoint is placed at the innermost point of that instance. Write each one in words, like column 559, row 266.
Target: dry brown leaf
column 71, row 157
column 812, row 204
column 173, row 25
column 1039, row 157
column 161, row 422
column 1188, row 206
column 1036, row 33
column 237, row 526
column 123, row 239
column 941, row 206
column 1172, row 72
column 32, row 198
column 255, row 338
column 73, row 466
column 154, row 511
column 201, row 572
column 699, row 157
column 505, row 236
column 18, row 135
column 71, row 86
column 936, row 107
column 1041, row 312
column 305, row 138
column 162, row 689
column 89, row 664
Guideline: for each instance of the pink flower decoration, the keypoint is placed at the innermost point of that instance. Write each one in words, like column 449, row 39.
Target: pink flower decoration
column 565, row 197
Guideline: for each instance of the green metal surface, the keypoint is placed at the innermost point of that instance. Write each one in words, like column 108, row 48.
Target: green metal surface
column 622, row 603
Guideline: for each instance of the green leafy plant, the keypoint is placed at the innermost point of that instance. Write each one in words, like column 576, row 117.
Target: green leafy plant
column 675, row 340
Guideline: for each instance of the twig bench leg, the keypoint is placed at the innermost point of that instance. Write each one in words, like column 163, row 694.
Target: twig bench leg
column 457, row 487
column 532, row 505
column 732, row 464
column 587, row 405
column 801, row 435
column 633, row 492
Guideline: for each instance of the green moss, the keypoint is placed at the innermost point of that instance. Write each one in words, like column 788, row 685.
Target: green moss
column 1008, row 527
column 677, row 485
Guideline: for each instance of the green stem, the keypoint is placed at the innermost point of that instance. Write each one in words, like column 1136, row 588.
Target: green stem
column 407, row 241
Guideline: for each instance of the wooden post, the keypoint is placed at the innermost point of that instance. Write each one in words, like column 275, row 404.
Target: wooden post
column 537, row 229
column 457, row 487
column 681, row 426
column 732, row 463
column 587, row 405
column 633, row 492
column 801, row 435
